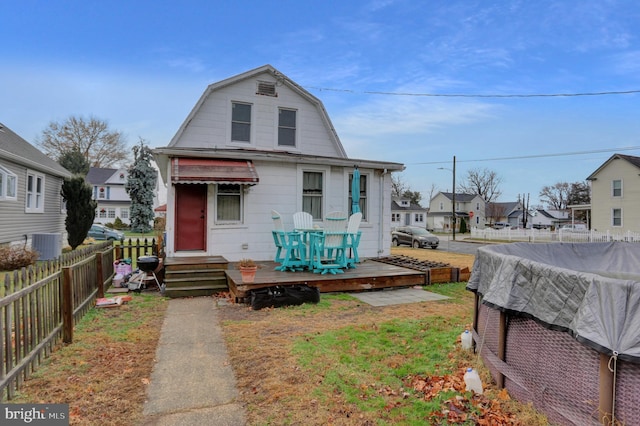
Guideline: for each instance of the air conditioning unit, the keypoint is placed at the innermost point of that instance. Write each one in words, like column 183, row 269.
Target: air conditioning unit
column 48, row 245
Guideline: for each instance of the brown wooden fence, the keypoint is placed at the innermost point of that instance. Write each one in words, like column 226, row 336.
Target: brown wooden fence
column 133, row 249
column 39, row 306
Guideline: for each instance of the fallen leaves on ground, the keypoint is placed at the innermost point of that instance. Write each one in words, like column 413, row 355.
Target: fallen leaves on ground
column 464, row 406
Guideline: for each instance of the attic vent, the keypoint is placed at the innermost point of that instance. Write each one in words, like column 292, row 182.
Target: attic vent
column 266, row 88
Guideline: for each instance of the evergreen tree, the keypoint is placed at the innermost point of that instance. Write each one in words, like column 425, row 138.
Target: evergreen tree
column 81, row 209
column 463, row 226
column 75, row 162
column 140, row 186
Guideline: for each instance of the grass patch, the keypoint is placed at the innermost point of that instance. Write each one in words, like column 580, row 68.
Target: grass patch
column 104, row 373
column 369, row 363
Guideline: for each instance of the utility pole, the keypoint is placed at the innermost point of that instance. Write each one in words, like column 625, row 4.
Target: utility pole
column 453, row 200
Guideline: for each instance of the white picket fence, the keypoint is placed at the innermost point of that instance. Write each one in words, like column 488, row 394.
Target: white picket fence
column 543, row 235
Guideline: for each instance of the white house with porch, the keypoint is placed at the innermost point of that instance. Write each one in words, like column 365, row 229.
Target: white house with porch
column 254, row 143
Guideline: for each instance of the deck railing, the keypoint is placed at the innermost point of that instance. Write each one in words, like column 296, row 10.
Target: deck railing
column 39, row 306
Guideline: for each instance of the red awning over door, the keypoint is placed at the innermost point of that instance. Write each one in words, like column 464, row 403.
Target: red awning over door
column 208, row 170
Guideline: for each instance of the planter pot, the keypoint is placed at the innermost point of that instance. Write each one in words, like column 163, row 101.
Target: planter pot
column 248, row 273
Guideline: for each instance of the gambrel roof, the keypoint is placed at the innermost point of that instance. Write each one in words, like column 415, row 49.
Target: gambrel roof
column 281, row 80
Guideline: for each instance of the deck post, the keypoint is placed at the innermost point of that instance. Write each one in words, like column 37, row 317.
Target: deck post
column 502, row 346
column 67, row 305
column 605, row 406
column 99, row 274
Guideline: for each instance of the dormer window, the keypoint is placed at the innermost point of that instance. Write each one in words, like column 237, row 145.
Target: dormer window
column 266, row 88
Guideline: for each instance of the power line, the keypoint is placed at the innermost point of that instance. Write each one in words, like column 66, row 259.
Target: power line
column 524, row 157
column 469, row 95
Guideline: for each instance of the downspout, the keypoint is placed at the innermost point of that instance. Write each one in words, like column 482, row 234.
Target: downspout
column 382, row 204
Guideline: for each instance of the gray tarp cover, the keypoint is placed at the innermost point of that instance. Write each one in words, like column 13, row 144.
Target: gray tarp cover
column 591, row 290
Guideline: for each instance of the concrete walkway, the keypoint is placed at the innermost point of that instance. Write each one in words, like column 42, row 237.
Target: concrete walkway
column 192, row 382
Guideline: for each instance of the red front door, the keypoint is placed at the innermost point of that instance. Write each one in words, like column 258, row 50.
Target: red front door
column 191, row 217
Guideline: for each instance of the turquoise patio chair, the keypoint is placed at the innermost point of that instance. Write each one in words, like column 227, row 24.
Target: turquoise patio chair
column 328, row 242
column 290, row 252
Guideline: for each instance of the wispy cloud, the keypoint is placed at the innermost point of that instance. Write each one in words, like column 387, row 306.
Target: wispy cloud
column 190, row 64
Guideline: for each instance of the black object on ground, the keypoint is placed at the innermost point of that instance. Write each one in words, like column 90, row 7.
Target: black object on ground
column 275, row 297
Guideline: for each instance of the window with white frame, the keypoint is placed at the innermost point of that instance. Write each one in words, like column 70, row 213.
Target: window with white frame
column 312, row 193
column 124, row 213
column 616, row 188
column 363, row 194
column 8, row 184
column 395, row 217
column 111, row 213
column 418, row 218
column 477, row 206
column 240, row 122
column 102, row 214
column 102, row 193
column 616, row 217
column 34, row 202
column 228, row 203
column 441, row 205
column 286, row 127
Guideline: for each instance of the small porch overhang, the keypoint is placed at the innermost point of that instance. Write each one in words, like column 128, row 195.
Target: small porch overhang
column 210, row 170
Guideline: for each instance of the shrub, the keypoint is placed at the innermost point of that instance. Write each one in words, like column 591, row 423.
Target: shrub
column 119, row 224
column 16, row 257
column 159, row 223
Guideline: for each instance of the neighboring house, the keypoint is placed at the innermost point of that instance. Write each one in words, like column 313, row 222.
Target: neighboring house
column 406, row 213
column 108, row 191
column 615, row 195
column 549, row 219
column 30, row 185
column 511, row 212
column 110, row 194
column 254, row 143
column 470, row 207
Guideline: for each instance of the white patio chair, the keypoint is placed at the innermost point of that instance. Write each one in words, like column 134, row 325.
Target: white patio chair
column 302, row 220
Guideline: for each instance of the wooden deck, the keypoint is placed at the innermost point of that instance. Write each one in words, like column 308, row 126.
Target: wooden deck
column 368, row 275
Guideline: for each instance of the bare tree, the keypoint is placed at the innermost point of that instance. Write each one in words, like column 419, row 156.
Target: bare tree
column 483, row 182
column 494, row 212
column 100, row 146
column 432, row 190
column 398, row 186
column 556, row 196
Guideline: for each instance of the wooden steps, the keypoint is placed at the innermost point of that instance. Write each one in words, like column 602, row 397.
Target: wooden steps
column 195, row 276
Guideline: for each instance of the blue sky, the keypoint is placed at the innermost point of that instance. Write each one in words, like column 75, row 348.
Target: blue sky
column 142, row 65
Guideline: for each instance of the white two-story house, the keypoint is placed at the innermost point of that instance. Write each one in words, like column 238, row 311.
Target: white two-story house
column 108, row 190
column 254, row 143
